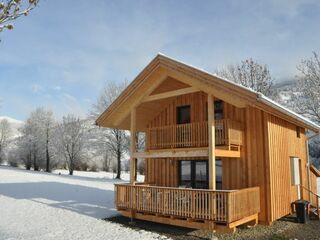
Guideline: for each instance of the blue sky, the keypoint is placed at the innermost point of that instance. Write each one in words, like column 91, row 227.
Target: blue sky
column 64, row 52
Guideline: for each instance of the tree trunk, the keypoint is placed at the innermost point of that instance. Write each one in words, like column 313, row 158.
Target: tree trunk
column 71, row 167
column 35, row 164
column 47, row 153
column 118, row 164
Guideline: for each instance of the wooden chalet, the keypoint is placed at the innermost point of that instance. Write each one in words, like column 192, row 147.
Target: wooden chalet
column 217, row 155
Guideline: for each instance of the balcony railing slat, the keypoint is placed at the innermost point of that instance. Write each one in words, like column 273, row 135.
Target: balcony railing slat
column 227, row 132
column 221, row 206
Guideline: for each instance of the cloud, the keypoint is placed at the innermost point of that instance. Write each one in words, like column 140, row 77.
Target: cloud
column 57, row 88
column 36, row 88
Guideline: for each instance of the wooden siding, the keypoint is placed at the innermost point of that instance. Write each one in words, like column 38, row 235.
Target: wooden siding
column 251, row 169
column 268, row 144
column 197, row 102
column 283, row 143
column 314, row 188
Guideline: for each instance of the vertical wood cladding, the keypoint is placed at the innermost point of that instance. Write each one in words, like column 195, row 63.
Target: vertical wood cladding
column 284, row 143
column 269, row 142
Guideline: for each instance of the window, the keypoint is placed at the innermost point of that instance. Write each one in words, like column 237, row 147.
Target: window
column 183, row 114
column 195, row 174
column 185, row 173
column 218, row 174
column 298, row 131
column 218, row 109
column 295, row 171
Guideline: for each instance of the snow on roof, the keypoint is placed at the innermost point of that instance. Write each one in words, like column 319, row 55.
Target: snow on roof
column 260, row 96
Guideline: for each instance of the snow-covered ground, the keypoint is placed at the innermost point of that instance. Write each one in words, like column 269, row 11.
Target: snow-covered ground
column 38, row 205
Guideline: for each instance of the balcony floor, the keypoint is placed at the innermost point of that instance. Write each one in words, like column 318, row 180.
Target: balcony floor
column 220, row 151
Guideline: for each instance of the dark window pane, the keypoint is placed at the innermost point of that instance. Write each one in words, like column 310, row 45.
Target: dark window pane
column 183, row 115
column 218, row 109
column 218, row 174
column 185, row 173
column 201, row 174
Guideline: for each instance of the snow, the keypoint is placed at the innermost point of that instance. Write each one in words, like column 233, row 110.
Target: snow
column 14, row 124
column 38, row 205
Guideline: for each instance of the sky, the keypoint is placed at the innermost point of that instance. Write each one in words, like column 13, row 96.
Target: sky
column 62, row 55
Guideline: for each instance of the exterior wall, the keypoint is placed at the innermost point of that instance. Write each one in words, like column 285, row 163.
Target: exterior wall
column 314, row 188
column 197, row 101
column 269, row 142
column 283, row 143
column 161, row 172
column 251, row 169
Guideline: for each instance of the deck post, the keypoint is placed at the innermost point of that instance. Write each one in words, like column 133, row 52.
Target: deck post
column 133, row 144
column 211, row 145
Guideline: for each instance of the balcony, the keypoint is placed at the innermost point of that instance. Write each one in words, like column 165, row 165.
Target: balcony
column 228, row 133
column 229, row 207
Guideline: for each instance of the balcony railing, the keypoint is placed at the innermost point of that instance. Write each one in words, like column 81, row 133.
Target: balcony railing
column 227, row 133
column 219, row 206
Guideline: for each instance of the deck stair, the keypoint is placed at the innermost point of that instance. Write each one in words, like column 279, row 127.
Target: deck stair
column 314, row 209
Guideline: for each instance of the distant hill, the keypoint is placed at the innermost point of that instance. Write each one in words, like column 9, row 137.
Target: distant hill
column 15, row 125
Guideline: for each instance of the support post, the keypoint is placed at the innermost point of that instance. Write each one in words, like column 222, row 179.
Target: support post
column 212, row 145
column 133, row 161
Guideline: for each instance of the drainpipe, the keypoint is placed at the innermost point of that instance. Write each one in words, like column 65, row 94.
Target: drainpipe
column 308, row 162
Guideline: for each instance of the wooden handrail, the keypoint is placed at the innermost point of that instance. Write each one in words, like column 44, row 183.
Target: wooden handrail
column 317, row 199
column 315, row 194
column 227, row 132
column 220, row 205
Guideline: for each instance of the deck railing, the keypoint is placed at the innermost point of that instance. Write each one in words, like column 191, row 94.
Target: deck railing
column 227, row 132
column 219, row 206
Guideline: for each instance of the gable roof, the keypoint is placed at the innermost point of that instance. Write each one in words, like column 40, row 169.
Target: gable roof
column 163, row 66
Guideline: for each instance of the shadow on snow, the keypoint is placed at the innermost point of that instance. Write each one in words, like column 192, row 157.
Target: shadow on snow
column 84, row 200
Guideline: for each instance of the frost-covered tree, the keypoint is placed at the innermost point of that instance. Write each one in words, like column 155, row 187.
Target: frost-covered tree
column 5, row 134
column 113, row 142
column 308, row 97
column 71, row 139
column 36, row 139
column 12, row 9
column 251, row 74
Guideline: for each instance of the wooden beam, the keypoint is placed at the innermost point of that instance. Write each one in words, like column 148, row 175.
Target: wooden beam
column 186, row 152
column 151, row 84
column 243, row 221
column 133, row 164
column 174, row 93
column 167, row 220
column 224, row 94
column 173, row 153
column 211, row 141
column 227, row 153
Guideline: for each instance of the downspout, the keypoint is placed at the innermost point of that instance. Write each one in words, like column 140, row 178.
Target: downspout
column 308, row 163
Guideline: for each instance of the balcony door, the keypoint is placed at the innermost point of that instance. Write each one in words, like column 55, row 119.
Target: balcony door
column 195, row 174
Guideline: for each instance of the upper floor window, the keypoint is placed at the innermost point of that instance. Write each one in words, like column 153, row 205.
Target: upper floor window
column 218, row 109
column 298, row 131
column 183, row 114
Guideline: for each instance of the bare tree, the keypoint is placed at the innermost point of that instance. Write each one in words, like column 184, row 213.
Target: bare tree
column 251, row 74
column 308, row 97
column 12, row 9
column 116, row 141
column 71, row 140
column 5, row 134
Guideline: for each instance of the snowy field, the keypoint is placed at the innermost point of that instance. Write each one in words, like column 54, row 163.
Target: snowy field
column 38, row 205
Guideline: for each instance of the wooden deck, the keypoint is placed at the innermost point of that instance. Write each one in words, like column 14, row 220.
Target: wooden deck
column 203, row 207
column 227, row 133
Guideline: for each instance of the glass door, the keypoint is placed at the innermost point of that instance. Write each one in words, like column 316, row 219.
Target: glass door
column 195, row 174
